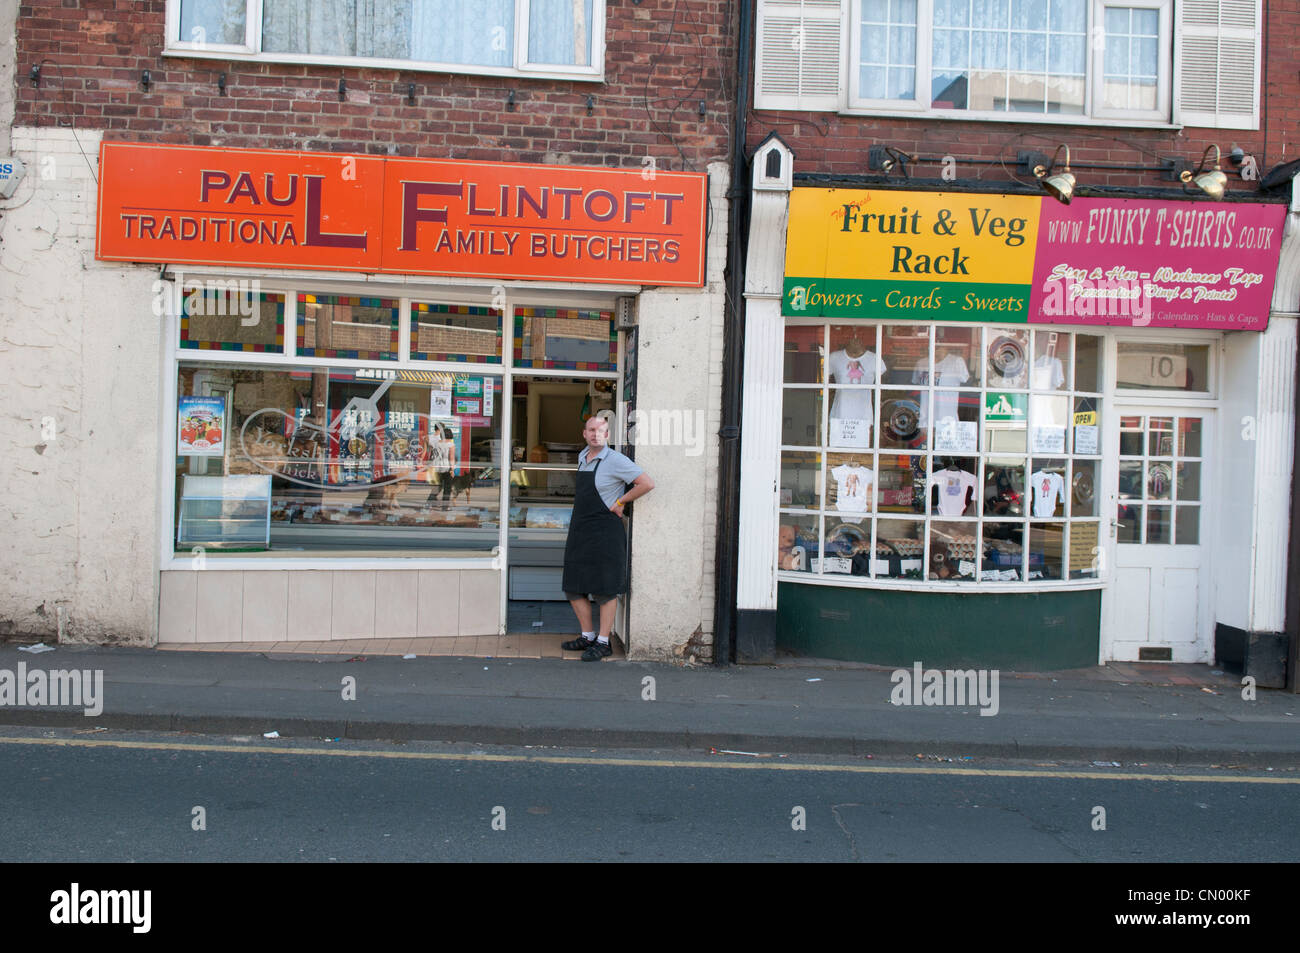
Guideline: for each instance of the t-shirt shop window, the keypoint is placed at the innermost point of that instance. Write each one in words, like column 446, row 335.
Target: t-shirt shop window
column 939, row 452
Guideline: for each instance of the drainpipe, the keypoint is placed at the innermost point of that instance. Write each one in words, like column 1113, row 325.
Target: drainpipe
column 724, row 612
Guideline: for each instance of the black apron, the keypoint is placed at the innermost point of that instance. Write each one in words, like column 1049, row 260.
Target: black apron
column 595, row 554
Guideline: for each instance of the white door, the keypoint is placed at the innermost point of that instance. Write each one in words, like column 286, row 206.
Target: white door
column 1160, row 589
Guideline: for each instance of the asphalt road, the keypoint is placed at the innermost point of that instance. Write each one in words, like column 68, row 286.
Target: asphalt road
column 126, row 797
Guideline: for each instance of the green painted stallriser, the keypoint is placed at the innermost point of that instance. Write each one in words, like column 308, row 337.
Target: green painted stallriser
column 1028, row 632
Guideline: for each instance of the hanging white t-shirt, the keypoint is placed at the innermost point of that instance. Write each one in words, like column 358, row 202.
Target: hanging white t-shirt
column 1047, row 374
column 953, row 486
column 951, row 371
column 1048, row 488
column 863, row 369
column 852, row 487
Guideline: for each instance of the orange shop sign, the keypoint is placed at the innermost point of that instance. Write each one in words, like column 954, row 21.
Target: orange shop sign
column 258, row 208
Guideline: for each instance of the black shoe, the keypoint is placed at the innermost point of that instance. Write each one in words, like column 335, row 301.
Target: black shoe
column 598, row 651
column 579, row 644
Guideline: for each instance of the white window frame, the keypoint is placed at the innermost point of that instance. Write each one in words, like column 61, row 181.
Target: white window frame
column 251, row 50
column 854, row 104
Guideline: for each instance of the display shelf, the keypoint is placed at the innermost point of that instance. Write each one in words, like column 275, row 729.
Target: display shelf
column 225, row 512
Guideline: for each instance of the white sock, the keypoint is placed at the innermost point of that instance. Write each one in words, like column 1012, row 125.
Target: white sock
column 604, row 640
column 589, row 635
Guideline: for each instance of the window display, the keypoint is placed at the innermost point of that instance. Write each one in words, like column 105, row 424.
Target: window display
column 851, row 408
column 1049, row 490
column 957, row 454
column 956, row 490
column 853, row 484
column 356, row 459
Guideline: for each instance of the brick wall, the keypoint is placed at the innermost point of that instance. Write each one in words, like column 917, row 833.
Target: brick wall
column 662, row 57
column 831, row 143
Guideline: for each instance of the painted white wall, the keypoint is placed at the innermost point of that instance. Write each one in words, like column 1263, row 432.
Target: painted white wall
column 1274, row 448
column 80, row 353
column 8, row 66
column 1234, row 514
column 679, row 360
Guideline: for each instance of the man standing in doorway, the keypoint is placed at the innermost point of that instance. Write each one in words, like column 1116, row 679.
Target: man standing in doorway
column 595, row 554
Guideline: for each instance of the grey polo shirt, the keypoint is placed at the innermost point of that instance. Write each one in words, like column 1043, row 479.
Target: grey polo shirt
column 616, row 471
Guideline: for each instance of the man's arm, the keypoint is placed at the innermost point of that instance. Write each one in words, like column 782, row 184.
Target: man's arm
column 640, row 487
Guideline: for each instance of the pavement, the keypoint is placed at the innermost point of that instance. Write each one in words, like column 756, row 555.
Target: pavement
column 1121, row 714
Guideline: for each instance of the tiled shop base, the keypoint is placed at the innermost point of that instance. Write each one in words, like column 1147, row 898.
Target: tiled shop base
column 470, row 646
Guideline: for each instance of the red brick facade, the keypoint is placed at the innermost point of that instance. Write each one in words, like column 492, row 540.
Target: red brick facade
column 827, row 142
column 662, row 57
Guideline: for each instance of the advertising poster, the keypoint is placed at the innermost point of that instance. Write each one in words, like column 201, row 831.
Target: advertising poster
column 401, row 438
column 202, row 427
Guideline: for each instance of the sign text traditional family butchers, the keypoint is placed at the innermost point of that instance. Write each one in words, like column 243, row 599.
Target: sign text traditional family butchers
column 374, row 214
column 1023, row 258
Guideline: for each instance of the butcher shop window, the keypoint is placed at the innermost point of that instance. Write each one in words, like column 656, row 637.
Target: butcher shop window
column 356, row 459
column 942, row 453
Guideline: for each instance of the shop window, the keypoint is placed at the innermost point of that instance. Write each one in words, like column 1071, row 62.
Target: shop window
column 443, row 332
column 339, row 326
column 1143, row 365
column 798, row 543
column 231, row 320
column 803, row 354
column 801, row 418
column 954, row 454
column 565, row 339
column 801, row 479
column 357, row 459
column 501, row 37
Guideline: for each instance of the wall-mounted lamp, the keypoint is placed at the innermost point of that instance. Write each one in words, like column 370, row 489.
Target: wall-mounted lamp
column 1059, row 185
column 410, row 94
column 343, row 89
column 221, row 84
column 702, row 109
column 1212, row 181
column 886, row 159
column 591, row 103
column 35, row 75
column 510, row 101
column 146, row 80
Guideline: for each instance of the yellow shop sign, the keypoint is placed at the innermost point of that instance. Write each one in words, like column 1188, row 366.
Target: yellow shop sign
column 910, row 255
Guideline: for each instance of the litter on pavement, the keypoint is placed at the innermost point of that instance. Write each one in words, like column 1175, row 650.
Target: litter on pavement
column 36, row 649
column 270, row 734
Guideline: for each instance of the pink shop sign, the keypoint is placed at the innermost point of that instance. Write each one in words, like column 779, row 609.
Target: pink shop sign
column 1156, row 264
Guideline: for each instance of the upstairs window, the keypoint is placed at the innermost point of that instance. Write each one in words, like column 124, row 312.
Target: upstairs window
column 562, row 38
column 1194, row 62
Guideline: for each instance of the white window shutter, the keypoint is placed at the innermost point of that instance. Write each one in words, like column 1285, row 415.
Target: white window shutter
column 799, row 54
column 1217, row 63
